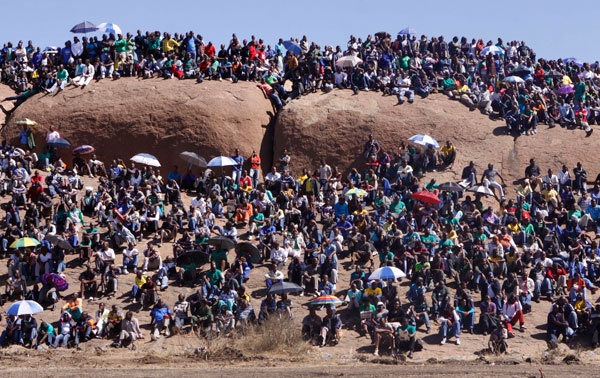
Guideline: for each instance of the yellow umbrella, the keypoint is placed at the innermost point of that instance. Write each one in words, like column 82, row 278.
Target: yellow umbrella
column 24, row 243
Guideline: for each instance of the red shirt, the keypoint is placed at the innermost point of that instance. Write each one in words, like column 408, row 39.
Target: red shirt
column 210, row 50
column 255, row 162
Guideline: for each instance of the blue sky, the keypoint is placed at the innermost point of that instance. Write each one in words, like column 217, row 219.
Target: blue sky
column 555, row 29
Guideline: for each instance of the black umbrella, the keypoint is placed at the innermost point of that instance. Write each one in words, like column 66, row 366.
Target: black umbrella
column 450, row 187
column 285, row 287
column 554, row 74
column 197, row 256
column 521, row 70
column 221, row 242
column 248, row 249
column 59, row 242
column 58, row 142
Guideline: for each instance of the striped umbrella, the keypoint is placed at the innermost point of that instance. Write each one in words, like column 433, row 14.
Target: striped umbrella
column 24, row 243
column 325, row 300
column 109, row 27
column 24, row 308
column 387, row 273
column 83, row 149
column 356, row 192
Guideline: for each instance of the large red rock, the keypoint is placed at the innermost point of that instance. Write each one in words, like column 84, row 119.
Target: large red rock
column 162, row 117
column 335, row 126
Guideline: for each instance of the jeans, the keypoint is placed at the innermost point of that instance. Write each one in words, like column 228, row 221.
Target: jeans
column 130, row 262
column 50, row 340
column 403, row 92
column 254, row 175
column 64, row 339
column 467, row 320
column 455, row 328
column 83, row 334
column 424, row 317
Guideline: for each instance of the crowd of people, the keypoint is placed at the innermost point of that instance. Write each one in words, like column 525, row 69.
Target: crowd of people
column 502, row 79
column 305, row 229
column 538, row 245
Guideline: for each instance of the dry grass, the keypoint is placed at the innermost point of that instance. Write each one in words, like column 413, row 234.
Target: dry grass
column 280, row 336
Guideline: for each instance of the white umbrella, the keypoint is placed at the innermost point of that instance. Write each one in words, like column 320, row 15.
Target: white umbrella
column 424, row 140
column 109, row 27
column 481, row 189
column 146, row 159
column 221, row 161
column 513, row 79
column 387, row 273
column 348, row 61
column 24, row 308
column 26, row 121
column 492, row 49
column 193, row 159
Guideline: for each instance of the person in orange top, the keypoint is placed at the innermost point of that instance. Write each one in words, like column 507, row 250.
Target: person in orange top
column 254, row 168
column 243, row 212
column 74, row 306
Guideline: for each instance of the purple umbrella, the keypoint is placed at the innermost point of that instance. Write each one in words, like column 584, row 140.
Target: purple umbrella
column 566, row 89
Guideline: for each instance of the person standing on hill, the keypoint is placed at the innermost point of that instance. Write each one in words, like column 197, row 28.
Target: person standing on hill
column 254, row 168
column 488, row 179
column 237, row 169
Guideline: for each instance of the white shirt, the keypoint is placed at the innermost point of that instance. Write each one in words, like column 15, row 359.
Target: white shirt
column 109, row 254
column 324, row 172
column 129, row 253
column 564, row 177
column 509, row 310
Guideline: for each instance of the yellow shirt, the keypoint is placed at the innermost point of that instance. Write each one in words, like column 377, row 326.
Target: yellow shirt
column 375, row 292
column 140, row 281
column 169, row 45
column 447, row 150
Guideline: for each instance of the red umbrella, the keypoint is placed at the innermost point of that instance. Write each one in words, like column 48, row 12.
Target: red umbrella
column 426, row 197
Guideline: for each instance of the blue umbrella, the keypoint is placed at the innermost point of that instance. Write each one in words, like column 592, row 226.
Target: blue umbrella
column 24, row 308
column 407, row 31
column 574, row 60
column 83, row 149
column 58, row 142
column 293, row 47
column 387, row 273
column 84, row 27
column 424, row 140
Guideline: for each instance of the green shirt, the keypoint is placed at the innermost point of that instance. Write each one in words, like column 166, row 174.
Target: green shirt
column 528, row 229
column 448, row 82
column 214, row 277
column 121, row 45
column 62, row 75
column 397, row 207
column 258, row 218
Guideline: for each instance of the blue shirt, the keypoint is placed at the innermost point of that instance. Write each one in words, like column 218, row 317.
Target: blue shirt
column 340, row 209
column 158, row 313
column 593, row 211
column 240, row 161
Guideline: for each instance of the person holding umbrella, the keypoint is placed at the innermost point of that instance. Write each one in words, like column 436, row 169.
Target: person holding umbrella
column 311, row 325
column 330, row 329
